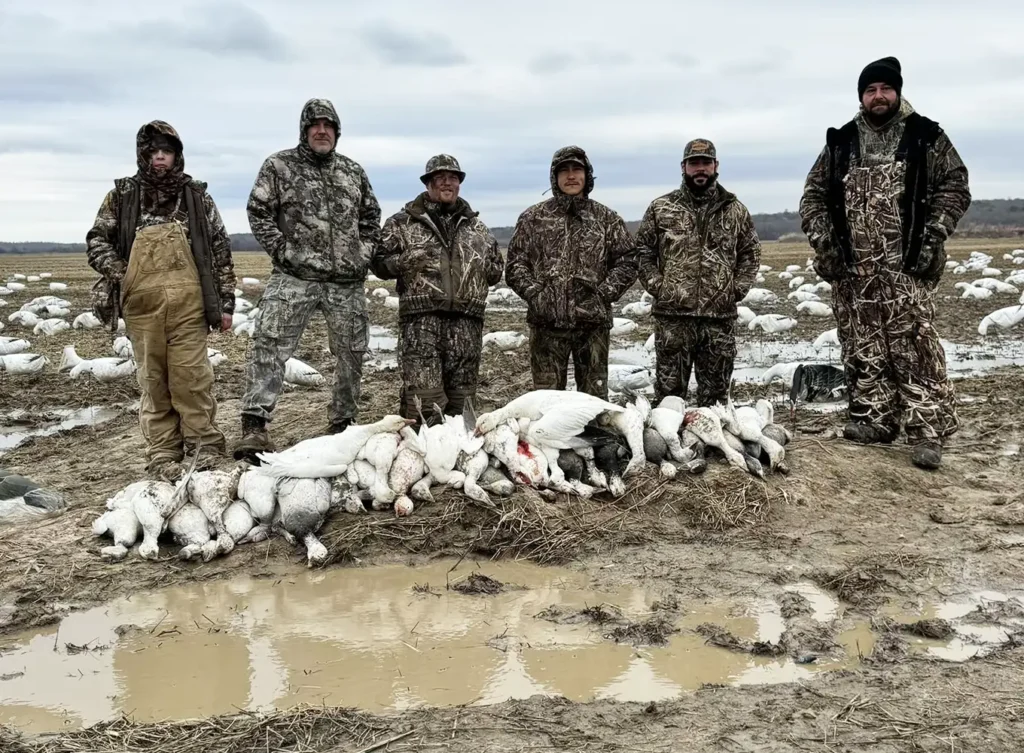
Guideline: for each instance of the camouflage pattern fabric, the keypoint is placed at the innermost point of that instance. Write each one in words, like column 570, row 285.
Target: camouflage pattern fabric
column 894, row 362
column 439, row 356
column 706, row 345
column 103, row 251
column 699, row 254
column 315, row 215
column 436, row 270
column 948, row 193
column 570, row 257
column 892, row 356
column 551, row 349
column 285, row 310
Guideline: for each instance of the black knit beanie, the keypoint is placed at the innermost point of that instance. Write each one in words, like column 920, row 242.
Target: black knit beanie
column 886, row 70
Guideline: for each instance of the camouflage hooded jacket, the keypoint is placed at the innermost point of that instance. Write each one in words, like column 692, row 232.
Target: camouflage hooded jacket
column 125, row 209
column 884, row 196
column 315, row 215
column 698, row 257
column 570, row 257
column 434, row 275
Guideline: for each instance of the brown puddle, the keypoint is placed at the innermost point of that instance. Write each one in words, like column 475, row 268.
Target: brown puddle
column 375, row 639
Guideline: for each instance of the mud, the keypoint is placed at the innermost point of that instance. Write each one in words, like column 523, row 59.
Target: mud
column 852, row 531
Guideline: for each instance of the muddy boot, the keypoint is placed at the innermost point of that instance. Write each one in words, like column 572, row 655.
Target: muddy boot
column 255, row 438
column 867, row 433
column 210, row 456
column 927, row 454
column 336, row 427
column 164, row 469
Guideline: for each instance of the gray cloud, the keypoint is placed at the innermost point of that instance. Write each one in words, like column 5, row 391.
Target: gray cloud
column 400, row 47
column 51, row 87
column 550, row 63
column 225, row 29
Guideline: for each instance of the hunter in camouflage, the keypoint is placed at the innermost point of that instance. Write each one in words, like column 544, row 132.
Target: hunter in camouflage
column 699, row 255
column 164, row 258
column 444, row 259
column 570, row 258
column 315, row 214
column 879, row 203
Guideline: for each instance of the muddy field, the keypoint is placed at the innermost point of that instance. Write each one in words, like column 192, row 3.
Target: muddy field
column 857, row 604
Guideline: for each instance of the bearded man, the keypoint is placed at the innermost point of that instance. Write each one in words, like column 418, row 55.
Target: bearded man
column 699, row 255
column 314, row 212
column 570, row 258
column 161, row 247
column 879, row 203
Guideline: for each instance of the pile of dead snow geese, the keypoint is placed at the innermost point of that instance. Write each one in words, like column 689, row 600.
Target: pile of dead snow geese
column 549, row 440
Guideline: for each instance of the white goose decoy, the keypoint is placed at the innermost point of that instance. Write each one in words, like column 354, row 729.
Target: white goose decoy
column 759, row 296
column 991, row 272
column 10, row 345
column 250, row 282
column 46, row 275
column 772, row 323
column 764, row 268
column 58, row 286
column 743, row 315
column 326, row 456
column 26, row 319
column 623, row 377
column 33, row 278
column 18, row 276
column 303, row 504
column 212, row 492
column 103, row 369
column 622, row 326
column 802, row 296
column 259, row 491
column 6, row 290
column 823, row 287
column 783, row 371
column 504, row 341
column 242, row 306
column 302, row 374
column 381, row 293
column 996, row 286
column 16, row 286
column 796, row 282
column 785, row 276
column 640, row 308
column 392, row 302
column 828, row 338
column 1004, row 318
column 23, row 363
column 87, row 320
column 191, row 530
column 792, row 267
column 815, row 308
column 973, row 292
column 50, row 327
column 123, row 527
column 960, row 270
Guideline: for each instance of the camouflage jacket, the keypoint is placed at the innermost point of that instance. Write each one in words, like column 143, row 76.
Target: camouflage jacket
column 315, row 215
column 435, row 275
column 890, row 195
column 570, row 257
column 697, row 257
column 110, row 240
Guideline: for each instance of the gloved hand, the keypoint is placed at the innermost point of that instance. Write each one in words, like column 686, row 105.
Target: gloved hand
column 931, row 261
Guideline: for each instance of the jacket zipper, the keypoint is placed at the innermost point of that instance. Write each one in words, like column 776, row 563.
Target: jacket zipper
column 450, row 292
column 330, row 221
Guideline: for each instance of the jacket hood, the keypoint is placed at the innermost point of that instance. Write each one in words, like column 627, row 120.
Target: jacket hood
column 571, row 153
column 315, row 109
column 147, row 139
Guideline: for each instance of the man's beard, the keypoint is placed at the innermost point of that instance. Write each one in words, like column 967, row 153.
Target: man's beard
column 885, row 117
column 699, row 189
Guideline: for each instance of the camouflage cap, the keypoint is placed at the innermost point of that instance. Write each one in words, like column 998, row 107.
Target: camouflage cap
column 439, row 163
column 700, row 148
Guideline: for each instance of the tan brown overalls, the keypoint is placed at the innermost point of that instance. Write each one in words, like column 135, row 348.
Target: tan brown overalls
column 162, row 305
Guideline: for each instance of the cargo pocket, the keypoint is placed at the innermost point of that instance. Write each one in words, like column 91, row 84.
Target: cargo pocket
column 359, row 336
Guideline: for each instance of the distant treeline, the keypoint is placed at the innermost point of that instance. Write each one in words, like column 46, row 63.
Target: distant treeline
column 987, row 218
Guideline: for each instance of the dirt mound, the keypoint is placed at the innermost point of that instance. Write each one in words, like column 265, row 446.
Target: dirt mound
column 654, row 631
column 718, row 636
column 477, row 584
column 602, row 614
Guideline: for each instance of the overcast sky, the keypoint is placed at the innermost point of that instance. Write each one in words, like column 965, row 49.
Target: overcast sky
column 499, row 85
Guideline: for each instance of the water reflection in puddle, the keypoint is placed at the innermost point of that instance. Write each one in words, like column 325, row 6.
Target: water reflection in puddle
column 62, row 420
column 366, row 638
